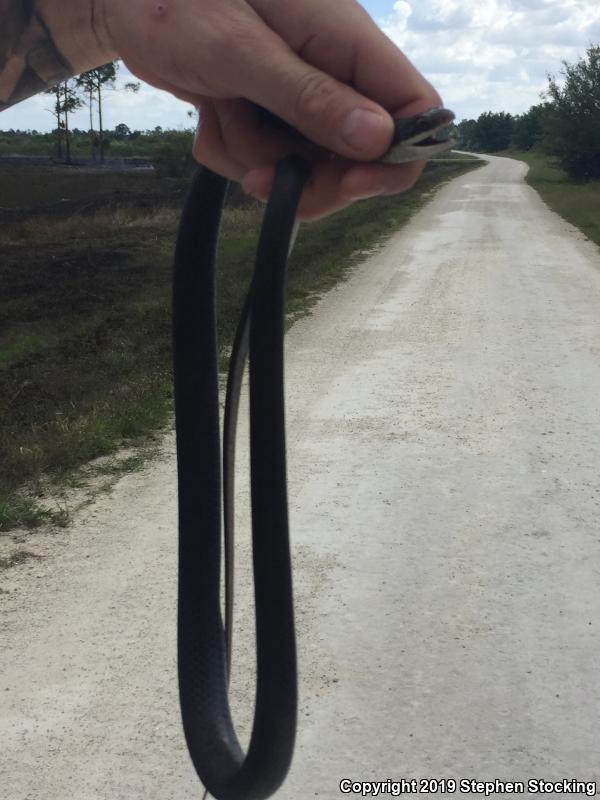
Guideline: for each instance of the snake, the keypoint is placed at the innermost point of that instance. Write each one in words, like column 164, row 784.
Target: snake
column 205, row 469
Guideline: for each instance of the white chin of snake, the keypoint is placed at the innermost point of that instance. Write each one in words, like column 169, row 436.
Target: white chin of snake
column 403, row 152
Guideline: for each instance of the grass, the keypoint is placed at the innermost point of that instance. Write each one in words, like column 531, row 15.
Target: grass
column 577, row 202
column 85, row 338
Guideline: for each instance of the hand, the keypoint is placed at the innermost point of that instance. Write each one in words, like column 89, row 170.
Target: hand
column 325, row 68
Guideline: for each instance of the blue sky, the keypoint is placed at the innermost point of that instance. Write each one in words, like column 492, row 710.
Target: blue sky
column 480, row 54
column 378, row 8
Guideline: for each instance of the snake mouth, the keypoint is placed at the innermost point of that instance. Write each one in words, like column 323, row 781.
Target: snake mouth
column 420, row 137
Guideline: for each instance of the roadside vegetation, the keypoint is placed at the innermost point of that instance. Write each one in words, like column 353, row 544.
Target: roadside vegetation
column 85, row 335
column 564, row 127
column 559, row 139
column 167, row 150
column 576, row 201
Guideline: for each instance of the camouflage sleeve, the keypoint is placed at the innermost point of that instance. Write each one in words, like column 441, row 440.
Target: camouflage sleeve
column 30, row 60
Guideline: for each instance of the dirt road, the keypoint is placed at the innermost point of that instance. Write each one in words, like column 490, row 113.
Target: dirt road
column 444, row 452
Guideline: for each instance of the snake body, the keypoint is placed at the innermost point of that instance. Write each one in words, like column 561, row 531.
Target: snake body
column 204, row 641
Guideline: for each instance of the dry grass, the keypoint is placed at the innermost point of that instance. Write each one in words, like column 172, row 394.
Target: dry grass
column 43, row 229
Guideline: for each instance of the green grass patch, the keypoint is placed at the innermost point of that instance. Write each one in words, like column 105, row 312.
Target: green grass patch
column 577, row 202
column 85, row 323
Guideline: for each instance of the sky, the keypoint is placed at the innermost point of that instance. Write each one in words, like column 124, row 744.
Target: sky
column 481, row 55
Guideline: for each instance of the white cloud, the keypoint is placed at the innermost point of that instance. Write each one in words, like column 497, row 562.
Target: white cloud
column 492, row 54
column 402, row 11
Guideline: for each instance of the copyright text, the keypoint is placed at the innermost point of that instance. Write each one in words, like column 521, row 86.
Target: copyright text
column 396, row 788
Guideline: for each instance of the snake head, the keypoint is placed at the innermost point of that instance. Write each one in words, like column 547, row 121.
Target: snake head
column 417, row 138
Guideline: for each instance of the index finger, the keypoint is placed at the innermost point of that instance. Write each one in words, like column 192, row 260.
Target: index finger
column 342, row 40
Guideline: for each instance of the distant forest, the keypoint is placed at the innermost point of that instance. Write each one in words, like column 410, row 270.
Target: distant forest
column 565, row 125
column 169, row 150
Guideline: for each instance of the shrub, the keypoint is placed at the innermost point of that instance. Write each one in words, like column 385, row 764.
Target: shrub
column 173, row 157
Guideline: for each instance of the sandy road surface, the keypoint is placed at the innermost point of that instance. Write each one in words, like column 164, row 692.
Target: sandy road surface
column 444, row 437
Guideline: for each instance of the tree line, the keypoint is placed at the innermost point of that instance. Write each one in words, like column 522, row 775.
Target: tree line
column 566, row 124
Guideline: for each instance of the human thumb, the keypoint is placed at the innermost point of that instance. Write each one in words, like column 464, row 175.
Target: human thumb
column 323, row 109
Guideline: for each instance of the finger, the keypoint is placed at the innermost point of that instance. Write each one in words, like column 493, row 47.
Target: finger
column 320, row 195
column 326, row 111
column 362, row 181
column 252, row 137
column 256, row 63
column 336, row 184
column 233, row 138
column 209, row 146
column 341, row 39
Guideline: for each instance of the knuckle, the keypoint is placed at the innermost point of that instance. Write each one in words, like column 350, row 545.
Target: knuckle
column 316, row 93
